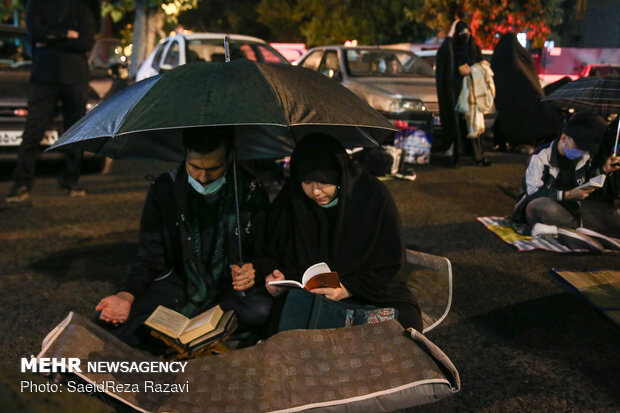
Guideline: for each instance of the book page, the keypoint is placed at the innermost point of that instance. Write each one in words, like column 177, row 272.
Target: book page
column 167, row 321
column 286, row 283
column 594, row 183
column 218, row 331
column 320, row 268
column 201, row 324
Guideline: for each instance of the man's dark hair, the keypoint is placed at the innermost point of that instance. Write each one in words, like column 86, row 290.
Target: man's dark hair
column 207, row 140
column 586, row 131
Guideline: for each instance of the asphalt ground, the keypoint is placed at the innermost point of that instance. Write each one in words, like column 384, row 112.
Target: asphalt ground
column 519, row 338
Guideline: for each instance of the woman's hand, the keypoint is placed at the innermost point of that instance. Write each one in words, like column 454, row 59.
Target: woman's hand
column 335, row 294
column 276, row 275
column 465, row 70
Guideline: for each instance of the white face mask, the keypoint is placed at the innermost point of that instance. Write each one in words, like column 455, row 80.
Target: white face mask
column 208, row 189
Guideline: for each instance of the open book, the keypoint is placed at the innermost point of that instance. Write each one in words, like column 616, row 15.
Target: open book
column 317, row 276
column 594, row 183
column 227, row 325
column 177, row 326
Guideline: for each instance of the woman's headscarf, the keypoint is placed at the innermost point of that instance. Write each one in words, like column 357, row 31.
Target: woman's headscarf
column 360, row 238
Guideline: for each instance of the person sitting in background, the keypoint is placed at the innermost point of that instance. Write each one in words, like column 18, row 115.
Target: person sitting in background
column 187, row 250
column 330, row 210
column 553, row 174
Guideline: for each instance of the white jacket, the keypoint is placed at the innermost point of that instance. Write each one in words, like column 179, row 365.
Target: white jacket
column 476, row 97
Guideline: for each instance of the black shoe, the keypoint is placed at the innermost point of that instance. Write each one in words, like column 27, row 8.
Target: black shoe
column 407, row 174
column 72, row 190
column 483, row 162
column 19, row 194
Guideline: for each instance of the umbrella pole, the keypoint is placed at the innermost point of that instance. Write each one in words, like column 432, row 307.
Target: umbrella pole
column 238, row 216
column 616, row 144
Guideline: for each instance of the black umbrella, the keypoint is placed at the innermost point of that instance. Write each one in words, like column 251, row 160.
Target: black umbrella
column 595, row 95
column 270, row 106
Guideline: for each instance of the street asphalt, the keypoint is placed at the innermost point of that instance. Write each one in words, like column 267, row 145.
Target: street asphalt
column 521, row 340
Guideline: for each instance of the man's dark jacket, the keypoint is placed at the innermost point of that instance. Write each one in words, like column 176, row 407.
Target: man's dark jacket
column 56, row 58
column 165, row 241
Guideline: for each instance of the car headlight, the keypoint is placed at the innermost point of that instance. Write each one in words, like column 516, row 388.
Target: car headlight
column 406, row 105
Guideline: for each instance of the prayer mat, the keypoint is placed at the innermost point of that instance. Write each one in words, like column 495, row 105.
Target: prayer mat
column 368, row 368
column 601, row 288
column 503, row 229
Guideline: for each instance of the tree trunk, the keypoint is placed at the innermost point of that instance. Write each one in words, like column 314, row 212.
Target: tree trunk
column 147, row 27
column 139, row 37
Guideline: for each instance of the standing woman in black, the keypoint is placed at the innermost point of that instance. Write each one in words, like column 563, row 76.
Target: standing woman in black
column 457, row 54
column 330, row 210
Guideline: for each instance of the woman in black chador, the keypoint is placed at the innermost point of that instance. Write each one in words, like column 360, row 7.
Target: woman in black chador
column 457, row 54
column 330, row 210
column 522, row 119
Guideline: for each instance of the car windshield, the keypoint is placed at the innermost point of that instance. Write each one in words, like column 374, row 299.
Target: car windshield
column 385, row 63
column 14, row 50
column 212, row 50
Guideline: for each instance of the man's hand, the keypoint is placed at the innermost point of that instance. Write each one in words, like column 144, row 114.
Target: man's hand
column 465, row 70
column 335, row 294
column 115, row 308
column 612, row 164
column 276, row 275
column 243, row 277
column 578, row 194
column 72, row 34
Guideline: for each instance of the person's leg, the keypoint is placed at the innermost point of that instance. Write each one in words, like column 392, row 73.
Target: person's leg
column 408, row 315
column 253, row 310
column 74, row 99
column 550, row 212
column 603, row 217
column 42, row 104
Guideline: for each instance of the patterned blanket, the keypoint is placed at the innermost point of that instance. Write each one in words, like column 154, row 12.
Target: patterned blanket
column 502, row 228
column 368, row 368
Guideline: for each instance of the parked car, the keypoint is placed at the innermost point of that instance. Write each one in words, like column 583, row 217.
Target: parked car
column 180, row 49
column 600, row 70
column 397, row 83
column 15, row 65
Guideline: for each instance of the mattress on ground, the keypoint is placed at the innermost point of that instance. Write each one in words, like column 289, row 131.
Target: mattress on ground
column 370, row 368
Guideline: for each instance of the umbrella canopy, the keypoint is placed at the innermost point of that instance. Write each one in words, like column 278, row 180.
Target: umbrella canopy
column 271, row 107
column 597, row 95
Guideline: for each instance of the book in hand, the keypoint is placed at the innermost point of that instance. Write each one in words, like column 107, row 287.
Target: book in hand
column 317, row 276
column 594, row 183
column 181, row 328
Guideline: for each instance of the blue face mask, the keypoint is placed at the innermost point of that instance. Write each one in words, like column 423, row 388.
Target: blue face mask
column 573, row 153
column 331, row 204
column 208, row 189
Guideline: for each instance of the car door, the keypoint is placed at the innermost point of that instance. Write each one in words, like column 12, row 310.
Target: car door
column 173, row 56
column 330, row 65
column 313, row 60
